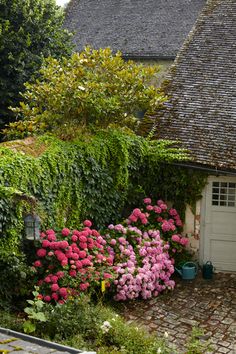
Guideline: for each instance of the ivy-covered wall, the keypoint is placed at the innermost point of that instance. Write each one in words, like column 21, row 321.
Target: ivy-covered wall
column 97, row 177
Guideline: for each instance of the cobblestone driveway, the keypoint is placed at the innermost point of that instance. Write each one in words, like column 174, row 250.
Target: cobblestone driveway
column 207, row 304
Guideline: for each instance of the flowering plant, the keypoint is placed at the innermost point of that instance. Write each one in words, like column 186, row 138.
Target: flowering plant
column 138, row 256
column 70, row 262
column 157, row 216
column 141, row 261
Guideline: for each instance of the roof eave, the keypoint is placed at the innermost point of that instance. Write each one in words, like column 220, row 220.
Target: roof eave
column 128, row 56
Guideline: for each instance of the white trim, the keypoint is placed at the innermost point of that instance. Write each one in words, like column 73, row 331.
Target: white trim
column 205, row 219
column 202, row 226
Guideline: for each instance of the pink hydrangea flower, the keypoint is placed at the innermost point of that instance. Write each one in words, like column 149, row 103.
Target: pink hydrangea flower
column 74, row 238
column 54, row 279
column 65, row 232
column 47, row 279
column 46, row 243
column 157, row 209
column 184, row 241
column 47, row 298
column 50, row 231
column 78, row 264
column 144, row 221
column 173, row 212
column 95, row 233
column 83, row 245
column 55, row 287
column 51, row 237
column 83, row 238
column 41, row 252
column 63, row 292
column 84, row 286
column 163, row 206
column 175, row 238
column 137, row 212
column 133, row 218
column 72, row 273
column 122, row 240
column 82, row 254
column 64, row 262
column 38, row 264
column 87, row 223
column 107, row 276
column 55, row 296
column 147, row 200
column 63, row 244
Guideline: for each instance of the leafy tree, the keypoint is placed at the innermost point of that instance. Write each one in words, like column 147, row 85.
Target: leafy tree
column 29, row 31
column 91, row 89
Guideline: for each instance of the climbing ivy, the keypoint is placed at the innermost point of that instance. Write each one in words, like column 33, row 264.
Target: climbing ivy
column 96, row 176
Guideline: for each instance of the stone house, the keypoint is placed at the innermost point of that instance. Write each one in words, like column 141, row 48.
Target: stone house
column 150, row 31
column 201, row 115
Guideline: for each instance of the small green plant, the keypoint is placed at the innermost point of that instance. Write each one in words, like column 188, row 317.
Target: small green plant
column 197, row 343
column 34, row 312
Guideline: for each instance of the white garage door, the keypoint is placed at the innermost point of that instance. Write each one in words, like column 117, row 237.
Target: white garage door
column 219, row 245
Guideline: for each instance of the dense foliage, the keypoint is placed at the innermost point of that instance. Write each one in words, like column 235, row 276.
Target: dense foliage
column 97, row 177
column 29, row 31
column 91, row 89
column 134, row 259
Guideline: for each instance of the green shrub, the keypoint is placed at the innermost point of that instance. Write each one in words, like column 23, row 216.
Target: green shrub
column 15, row 277
column 80, row 319
column 93, row 88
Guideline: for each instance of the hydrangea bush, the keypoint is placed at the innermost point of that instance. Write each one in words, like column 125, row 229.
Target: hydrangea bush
column 141, row 261
column 157, row 216
column 136, row 257
column 70, row 262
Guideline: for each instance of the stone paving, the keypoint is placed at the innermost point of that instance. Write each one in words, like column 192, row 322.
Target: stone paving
column 201, row 303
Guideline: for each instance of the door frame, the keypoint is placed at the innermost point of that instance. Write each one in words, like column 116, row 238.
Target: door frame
column 203, row 209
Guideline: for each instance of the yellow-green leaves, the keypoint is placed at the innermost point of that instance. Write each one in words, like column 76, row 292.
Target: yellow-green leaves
column 91, row 88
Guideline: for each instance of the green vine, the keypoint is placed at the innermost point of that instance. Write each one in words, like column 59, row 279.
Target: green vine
column 96, row 176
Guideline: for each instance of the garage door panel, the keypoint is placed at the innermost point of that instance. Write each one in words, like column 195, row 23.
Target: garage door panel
column 220, row 223
column 222, row 254
column 223, row 222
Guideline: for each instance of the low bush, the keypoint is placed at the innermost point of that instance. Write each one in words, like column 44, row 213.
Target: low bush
column 134, row 260
column 15, row 279
column 84, row 325
column 158, row 216
column 71, row 262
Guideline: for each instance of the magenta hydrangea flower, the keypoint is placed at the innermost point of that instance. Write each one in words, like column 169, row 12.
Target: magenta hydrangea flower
column 87, row 223
column 184, row 241
column 41, row 252
column 175, row 238
column 54, row 287
column 147, row 200
column 65, row 232
column 47, row 298
column 63, row 292
column 38, row 264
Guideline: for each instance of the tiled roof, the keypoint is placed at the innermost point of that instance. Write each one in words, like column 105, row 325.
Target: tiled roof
column 201, row 110
column 138, row 28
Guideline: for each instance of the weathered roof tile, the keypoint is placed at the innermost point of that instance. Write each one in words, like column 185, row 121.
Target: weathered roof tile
column 138, row 28
column 202, row 88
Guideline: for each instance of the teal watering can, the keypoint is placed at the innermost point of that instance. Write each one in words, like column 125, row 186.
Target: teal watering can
column 207, row 270
column 188, row 270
